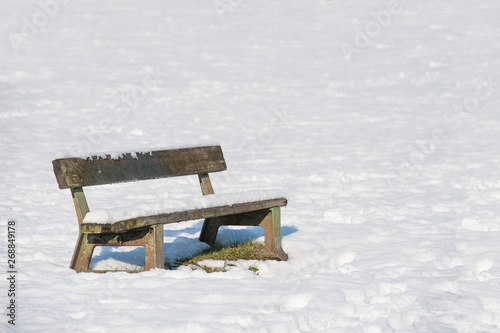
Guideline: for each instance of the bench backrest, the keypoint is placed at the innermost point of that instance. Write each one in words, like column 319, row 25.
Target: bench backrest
column 77, row 172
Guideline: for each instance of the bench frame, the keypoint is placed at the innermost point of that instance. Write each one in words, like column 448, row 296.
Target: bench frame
column 75, row 173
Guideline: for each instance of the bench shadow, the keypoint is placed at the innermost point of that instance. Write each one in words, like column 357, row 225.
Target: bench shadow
column 192, row 230
column 182, row 247
column 285, row 230
column 288, row 230
column 135, row 256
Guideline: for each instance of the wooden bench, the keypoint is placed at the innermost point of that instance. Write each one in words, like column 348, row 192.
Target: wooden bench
column 147, row 231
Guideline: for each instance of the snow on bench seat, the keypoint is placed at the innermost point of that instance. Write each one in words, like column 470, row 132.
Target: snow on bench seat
column 177, row 210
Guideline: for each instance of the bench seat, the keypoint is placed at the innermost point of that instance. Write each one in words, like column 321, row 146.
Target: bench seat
column 209, row 206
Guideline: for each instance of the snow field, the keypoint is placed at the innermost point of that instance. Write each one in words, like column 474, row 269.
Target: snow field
column 389, row 158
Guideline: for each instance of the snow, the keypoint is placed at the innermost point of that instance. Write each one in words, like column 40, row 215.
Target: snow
column 117, row 154
column 378, row 118
column 171, row 205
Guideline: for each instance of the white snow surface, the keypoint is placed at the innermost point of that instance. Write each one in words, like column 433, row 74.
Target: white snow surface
column 379, row 119
column 171, row 205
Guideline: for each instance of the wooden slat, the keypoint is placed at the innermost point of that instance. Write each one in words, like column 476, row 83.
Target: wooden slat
column 77, row 172
column 195, row 214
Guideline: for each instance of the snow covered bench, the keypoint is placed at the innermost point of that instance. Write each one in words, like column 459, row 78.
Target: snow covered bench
column 142, row 225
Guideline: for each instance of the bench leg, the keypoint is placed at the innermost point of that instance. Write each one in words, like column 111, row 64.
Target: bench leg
column 272, row 233
column 83, row 254
column 153, row 246
column 151, row 238
column 209, row 230
column 269, row 219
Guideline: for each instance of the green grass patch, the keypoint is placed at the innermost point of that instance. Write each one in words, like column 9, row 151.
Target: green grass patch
column 250, row 250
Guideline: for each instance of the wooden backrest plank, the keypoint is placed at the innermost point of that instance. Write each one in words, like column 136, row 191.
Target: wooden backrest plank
column 78, row 172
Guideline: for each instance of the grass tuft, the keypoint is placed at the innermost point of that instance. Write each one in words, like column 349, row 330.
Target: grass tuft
column 250, row 250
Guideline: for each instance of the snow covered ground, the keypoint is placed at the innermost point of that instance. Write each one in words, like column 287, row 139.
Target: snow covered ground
column 378, row 118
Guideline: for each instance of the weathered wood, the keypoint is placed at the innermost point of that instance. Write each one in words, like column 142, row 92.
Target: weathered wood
column 188, row 215
column 82, row 254
column 205, row 184
column 81, row 205
column 77, row 172
column 211, row 226
column 276, row 234
column 151, row 238
column 269, row 219
column 147, row 231
column 154, row 248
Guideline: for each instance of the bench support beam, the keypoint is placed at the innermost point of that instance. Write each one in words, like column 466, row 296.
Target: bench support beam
column 151, row 238
column 269, row 219
column 81, row 205
column 205, row 184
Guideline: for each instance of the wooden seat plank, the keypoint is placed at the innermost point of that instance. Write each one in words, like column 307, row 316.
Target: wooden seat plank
column 188, row 215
